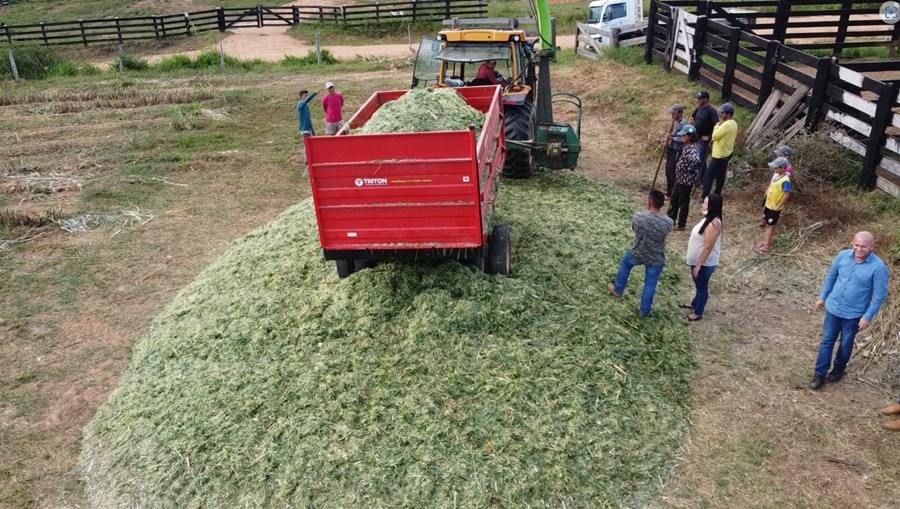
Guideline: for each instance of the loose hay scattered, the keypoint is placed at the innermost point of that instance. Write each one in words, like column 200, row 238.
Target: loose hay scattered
column 269, row 382
column 424, row 110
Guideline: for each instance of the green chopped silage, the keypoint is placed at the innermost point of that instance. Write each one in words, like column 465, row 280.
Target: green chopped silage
column 424, row 110
column 269, row 382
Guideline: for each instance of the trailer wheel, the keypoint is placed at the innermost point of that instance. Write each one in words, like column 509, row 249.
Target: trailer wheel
column 344, row 268
column 359, row 265
column 499, row 248
column 481, row 258
column 519, row 126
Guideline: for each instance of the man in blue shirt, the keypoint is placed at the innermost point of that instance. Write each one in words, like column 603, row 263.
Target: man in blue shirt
column 854, row 290
column 305, row 118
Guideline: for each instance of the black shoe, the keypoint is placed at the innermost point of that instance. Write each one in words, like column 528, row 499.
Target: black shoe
column 834, row 377
column 817, row 382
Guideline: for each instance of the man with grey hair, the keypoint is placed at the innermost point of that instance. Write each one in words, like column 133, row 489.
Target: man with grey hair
column 853, row 292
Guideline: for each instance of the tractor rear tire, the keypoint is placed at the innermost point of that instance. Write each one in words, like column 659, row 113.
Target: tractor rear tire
column 519, row 126
column 499, row 248
column 345, row 268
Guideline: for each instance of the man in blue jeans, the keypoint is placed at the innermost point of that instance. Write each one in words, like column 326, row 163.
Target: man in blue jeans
column 854, row 290
column 649, row 249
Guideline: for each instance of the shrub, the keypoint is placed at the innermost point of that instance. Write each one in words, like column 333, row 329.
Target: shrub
column 309, row 59
column 131, row 63
column 174, row 62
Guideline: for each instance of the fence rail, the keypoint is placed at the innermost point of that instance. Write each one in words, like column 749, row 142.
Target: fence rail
column 118, row 30
column 749, row 68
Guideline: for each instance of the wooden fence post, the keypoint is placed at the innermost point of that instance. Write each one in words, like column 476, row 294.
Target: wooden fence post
column 414, row 10
column 118, row 30
column 651, row 31
column 895, row 38
column 344, row 15
column 162, row 25
column 446, row 9
column 782, row 15
column 83, row 35
column 8, row 35
column 187, row 24
column 44, row 34
column 259, row 16
column 734, row 42
column 699, row 43
column 817, row 98
column 614, row 37
column 767, row 83
column 220, row 19
column 882, row 119
column 377, row 12
column 671, row 34
column 295, row 14
column 842, row 29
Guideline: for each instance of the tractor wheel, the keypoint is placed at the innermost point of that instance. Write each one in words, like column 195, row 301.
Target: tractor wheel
column 519, row 126
column 499, row 248
column 345, row 268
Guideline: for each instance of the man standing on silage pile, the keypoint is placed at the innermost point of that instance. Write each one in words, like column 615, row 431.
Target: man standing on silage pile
column 332, row 103
column 650, row 231
column 305, row 118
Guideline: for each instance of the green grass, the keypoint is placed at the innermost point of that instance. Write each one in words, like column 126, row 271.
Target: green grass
column 410, row 385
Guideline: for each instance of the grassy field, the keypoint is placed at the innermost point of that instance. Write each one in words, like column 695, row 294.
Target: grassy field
column 157, row 174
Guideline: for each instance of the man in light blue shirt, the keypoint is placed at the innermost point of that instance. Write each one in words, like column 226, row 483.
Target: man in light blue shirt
column 854, row 290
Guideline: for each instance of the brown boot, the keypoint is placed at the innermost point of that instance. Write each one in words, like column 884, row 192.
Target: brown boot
column 893, row 425
column 891, row 410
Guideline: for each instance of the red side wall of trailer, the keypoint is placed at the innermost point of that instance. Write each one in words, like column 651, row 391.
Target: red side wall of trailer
column 431, row 190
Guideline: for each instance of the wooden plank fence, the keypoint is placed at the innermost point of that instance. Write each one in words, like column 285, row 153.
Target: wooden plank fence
column 589, row 40
column 748, row 69
column 118, row 30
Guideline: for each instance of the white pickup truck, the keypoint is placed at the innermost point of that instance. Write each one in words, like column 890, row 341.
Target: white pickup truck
column 608, row 14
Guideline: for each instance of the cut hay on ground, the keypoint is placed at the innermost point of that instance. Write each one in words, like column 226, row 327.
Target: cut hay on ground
column 269, row 382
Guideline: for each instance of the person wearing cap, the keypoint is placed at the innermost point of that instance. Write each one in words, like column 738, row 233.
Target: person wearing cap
column 332, row 103
column 854, row 290
column 777, row 195
column 673, row 149
column 305, row 118
column 687, row 175
column 650, row 231
column 723, row 137
column 704, row 118
column 787, row 153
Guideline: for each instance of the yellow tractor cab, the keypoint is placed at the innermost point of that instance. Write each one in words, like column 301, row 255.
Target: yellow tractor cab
column 501, row 56
column 461, row 57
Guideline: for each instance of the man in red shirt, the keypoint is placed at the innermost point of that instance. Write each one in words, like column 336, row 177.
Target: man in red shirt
column 486, row 72
column 333, row 102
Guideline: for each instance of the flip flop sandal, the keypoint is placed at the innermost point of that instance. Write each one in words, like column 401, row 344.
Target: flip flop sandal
column 759, row 250
column 685, row 305
column 697, row 319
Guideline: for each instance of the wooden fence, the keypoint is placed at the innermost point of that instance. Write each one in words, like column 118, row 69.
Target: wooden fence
column 589, row 41
column 747, row 69
column 118, row 30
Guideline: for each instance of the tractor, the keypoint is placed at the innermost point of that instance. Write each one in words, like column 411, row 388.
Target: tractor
column 532, row 137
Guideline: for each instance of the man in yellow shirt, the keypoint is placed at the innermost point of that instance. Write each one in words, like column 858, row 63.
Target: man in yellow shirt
column 724, row 134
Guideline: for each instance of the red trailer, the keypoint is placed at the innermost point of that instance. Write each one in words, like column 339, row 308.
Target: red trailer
column 411, row 195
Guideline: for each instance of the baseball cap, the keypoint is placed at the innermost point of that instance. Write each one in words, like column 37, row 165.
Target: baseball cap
column 676, row 108
column 784, row 151
column 703, row 94
column 726, row 108
column 779, row 163
column 686, row 129
column 329, row 85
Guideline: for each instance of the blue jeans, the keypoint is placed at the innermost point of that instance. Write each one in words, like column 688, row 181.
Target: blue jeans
column 703, row 150
column 834, row 325
column 701, row 283
column 651, row 278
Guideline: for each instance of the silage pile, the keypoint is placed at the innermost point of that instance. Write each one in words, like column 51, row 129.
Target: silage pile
column 424, row 110
column 269, row 382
